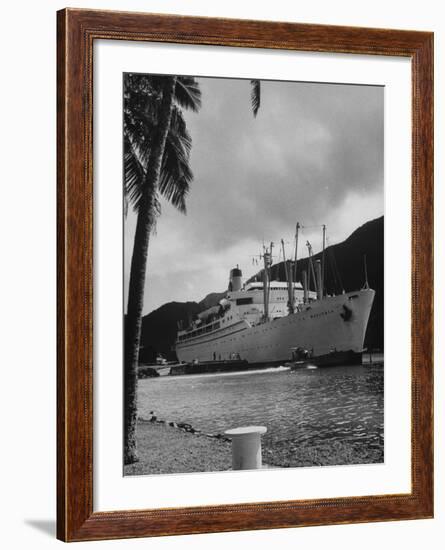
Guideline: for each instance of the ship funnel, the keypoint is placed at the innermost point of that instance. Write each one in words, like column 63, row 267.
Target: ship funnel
column 236, row 279
column 319, row 280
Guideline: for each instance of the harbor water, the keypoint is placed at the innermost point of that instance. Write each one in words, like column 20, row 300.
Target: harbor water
column 314, row 416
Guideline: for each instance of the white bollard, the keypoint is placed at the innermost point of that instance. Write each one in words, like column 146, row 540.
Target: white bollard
column 246, row 447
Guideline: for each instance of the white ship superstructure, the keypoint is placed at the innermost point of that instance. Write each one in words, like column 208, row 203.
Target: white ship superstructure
column 271, row 321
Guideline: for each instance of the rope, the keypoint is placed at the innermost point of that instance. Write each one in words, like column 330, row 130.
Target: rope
column 336, row 271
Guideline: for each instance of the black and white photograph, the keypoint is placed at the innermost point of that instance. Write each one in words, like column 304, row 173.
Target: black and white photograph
column 253, row 268
column 223, row 275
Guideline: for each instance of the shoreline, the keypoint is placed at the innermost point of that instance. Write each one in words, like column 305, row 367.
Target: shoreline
column 177, row 448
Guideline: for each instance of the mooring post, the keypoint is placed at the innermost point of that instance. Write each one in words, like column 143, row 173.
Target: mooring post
column 246, row 447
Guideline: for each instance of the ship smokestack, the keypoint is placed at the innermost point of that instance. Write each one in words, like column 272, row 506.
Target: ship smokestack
column 319, row 280
column 236, row 279
column 305, row 286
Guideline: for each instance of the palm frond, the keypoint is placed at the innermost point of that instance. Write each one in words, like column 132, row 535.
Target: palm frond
column 134, row 179
column 188, row 93
column 176, row 174
column 134, row 174
column 142, row 94
column 255, row 96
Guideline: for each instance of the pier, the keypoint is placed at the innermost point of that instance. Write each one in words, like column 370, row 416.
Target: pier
column 210, row 367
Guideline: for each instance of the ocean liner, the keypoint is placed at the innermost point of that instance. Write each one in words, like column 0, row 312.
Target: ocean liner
column 271, row 322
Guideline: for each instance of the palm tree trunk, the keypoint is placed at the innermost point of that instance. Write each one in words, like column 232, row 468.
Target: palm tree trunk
column 138, row 270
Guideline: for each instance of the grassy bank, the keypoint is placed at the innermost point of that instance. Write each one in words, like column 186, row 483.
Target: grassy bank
column 164, row 449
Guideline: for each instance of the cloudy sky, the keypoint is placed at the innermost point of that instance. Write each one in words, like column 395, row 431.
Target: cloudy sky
column 314, row 154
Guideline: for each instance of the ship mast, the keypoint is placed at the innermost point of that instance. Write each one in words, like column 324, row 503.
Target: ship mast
column 290, row 288
column 297, row 228
column 269, row 275
column 323, row 262
column 265, row 283
column 311, row 266
column 267, row 257
column 366, row 285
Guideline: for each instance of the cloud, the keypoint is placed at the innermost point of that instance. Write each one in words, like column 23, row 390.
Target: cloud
column 314, row 154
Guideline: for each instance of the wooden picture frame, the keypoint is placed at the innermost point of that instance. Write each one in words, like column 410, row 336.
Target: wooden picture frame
column 77, row 31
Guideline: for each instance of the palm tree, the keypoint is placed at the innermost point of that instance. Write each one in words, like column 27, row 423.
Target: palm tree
column 255, row 96
column 156, row 160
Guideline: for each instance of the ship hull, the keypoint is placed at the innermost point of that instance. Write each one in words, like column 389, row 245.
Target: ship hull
column 330, row 359
column 325, row 327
